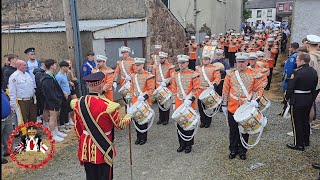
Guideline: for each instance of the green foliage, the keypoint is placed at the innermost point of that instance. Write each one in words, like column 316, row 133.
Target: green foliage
column 246, row 13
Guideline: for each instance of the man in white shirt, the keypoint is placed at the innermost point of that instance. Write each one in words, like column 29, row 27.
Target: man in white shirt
column 22, row 94
column 32, row 63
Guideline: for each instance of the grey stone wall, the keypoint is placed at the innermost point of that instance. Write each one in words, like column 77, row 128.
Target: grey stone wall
column 305, row 19
column 164, row 29
column 52, row 10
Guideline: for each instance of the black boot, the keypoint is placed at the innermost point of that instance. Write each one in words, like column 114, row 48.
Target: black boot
column 232, row 155
column 188, row 149
column 137, row 141
column 159, row 122
column 201, row 125
column 180, row 149
column 243, row 156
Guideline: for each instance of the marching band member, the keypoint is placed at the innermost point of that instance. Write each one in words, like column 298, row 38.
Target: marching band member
column 220, row 59
column 124, row 67
column 232, row 49
column 108, row 80
column 154, row 60
column 186, row 82
column 193, row 53
column 270, row 52
column 239, row 86
column 142, row 86
column 209, row 78
column 95, row 118
column 163, row 74
column 255, row 67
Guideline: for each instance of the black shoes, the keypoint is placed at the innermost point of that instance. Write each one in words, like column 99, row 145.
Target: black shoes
column 243, row 156
column 201, row 125
column 4, row 161
column 307, row 144
column 207, row 125
column 188, row 149
column 180, row 149
column 159, row 122
column 165, row 123
column 137, row 141
column 294, row 147
column 142, row 142
column 316, row 165
column 232, row 155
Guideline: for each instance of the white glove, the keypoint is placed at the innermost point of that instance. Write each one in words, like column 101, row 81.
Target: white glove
column 187, row 102
column 129, row 110
column 128, row 78
column 212, row 86
column 163, row 84
column 114, row 85
column 225, row 110
column 174, row 106
column 141, row 98
column 104, row 88
column 254, row 103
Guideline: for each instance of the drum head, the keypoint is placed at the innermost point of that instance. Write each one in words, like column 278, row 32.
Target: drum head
column 244, row 112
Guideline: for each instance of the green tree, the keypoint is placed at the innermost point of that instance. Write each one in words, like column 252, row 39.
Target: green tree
column 247, row 13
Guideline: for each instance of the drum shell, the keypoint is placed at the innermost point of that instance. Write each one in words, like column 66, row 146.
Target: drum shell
column 125, row 89
column 141, row 112
column 210, row 98
column 162, row 94
column 186, row 117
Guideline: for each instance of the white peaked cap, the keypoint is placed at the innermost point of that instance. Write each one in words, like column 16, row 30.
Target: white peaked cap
column 101, row 57
column 163, row 54
column 183, row 58
column 139, row 60
column 125, row 49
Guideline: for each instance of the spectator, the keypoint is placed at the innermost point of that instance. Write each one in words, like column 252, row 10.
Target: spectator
column 73, row 81
column 63, row 82
column 32, row 63
column 38, row 73
column 22, row 95
column 5, row 66
column 12, row 58
column 87, row 67
column 284, row 41
column 53, row 97
column 6, row 126
column 290, row 64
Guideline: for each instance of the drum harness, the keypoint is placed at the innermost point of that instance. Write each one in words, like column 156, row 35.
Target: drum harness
column 214, row 111
column 185, row 137
column 150, row 109
column 170, row 101
column 243, row 142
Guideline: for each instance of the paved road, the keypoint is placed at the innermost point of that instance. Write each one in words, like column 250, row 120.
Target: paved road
column 158, row 158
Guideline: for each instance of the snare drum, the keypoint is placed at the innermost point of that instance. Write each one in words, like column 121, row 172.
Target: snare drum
column 162, row 94
column 210, row 98
column 186, row 117
column 125, row 89
column 264, row 104
column 141, row 112
column 250, row 119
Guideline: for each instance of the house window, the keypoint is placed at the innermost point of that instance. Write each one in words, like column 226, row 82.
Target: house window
column 269, row 14
column 291, row 7
column 258, row 13
column 280, row 7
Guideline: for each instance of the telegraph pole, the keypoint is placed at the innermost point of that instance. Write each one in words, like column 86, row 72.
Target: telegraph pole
column 73, row 37
column 195, row 16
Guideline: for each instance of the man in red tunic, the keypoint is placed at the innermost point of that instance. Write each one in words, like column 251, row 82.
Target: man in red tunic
column 95, row 118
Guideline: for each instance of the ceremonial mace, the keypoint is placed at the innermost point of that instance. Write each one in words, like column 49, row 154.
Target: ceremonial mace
column 128, row 99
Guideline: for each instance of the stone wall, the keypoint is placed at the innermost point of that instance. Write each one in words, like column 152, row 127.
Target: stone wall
column 47, row 45
column 305, row 19
column 164, row 29
column 52, row 10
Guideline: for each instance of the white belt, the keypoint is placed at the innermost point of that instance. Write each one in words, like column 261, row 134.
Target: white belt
column 86, row 132
column 25, row 99
column 238, row 98
column 301, row 92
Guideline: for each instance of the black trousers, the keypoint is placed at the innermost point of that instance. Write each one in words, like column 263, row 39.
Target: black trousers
column 226, row 53
column 65, row 109
column 220, row 87
column 187, row 133
column 40, row 103
column 269, row 79
column 203, row 117
column 98, row 171
column 142, row 136
column 192, row 64
column 164, row 115
column 235, row 145
column 232, row 58
column 300, row 124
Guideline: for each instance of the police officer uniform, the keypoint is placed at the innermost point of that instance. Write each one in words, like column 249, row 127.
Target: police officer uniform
column 21, row 90
column 288, row 69
column 300, row 93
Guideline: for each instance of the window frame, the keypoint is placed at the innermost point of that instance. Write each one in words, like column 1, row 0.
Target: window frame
column 281, row 6
column 258, row 13
column 269, row 11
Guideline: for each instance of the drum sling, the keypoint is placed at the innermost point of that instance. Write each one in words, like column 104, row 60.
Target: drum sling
column 99, row 138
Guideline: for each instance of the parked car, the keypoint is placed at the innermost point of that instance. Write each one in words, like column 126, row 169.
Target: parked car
column 277, row 24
